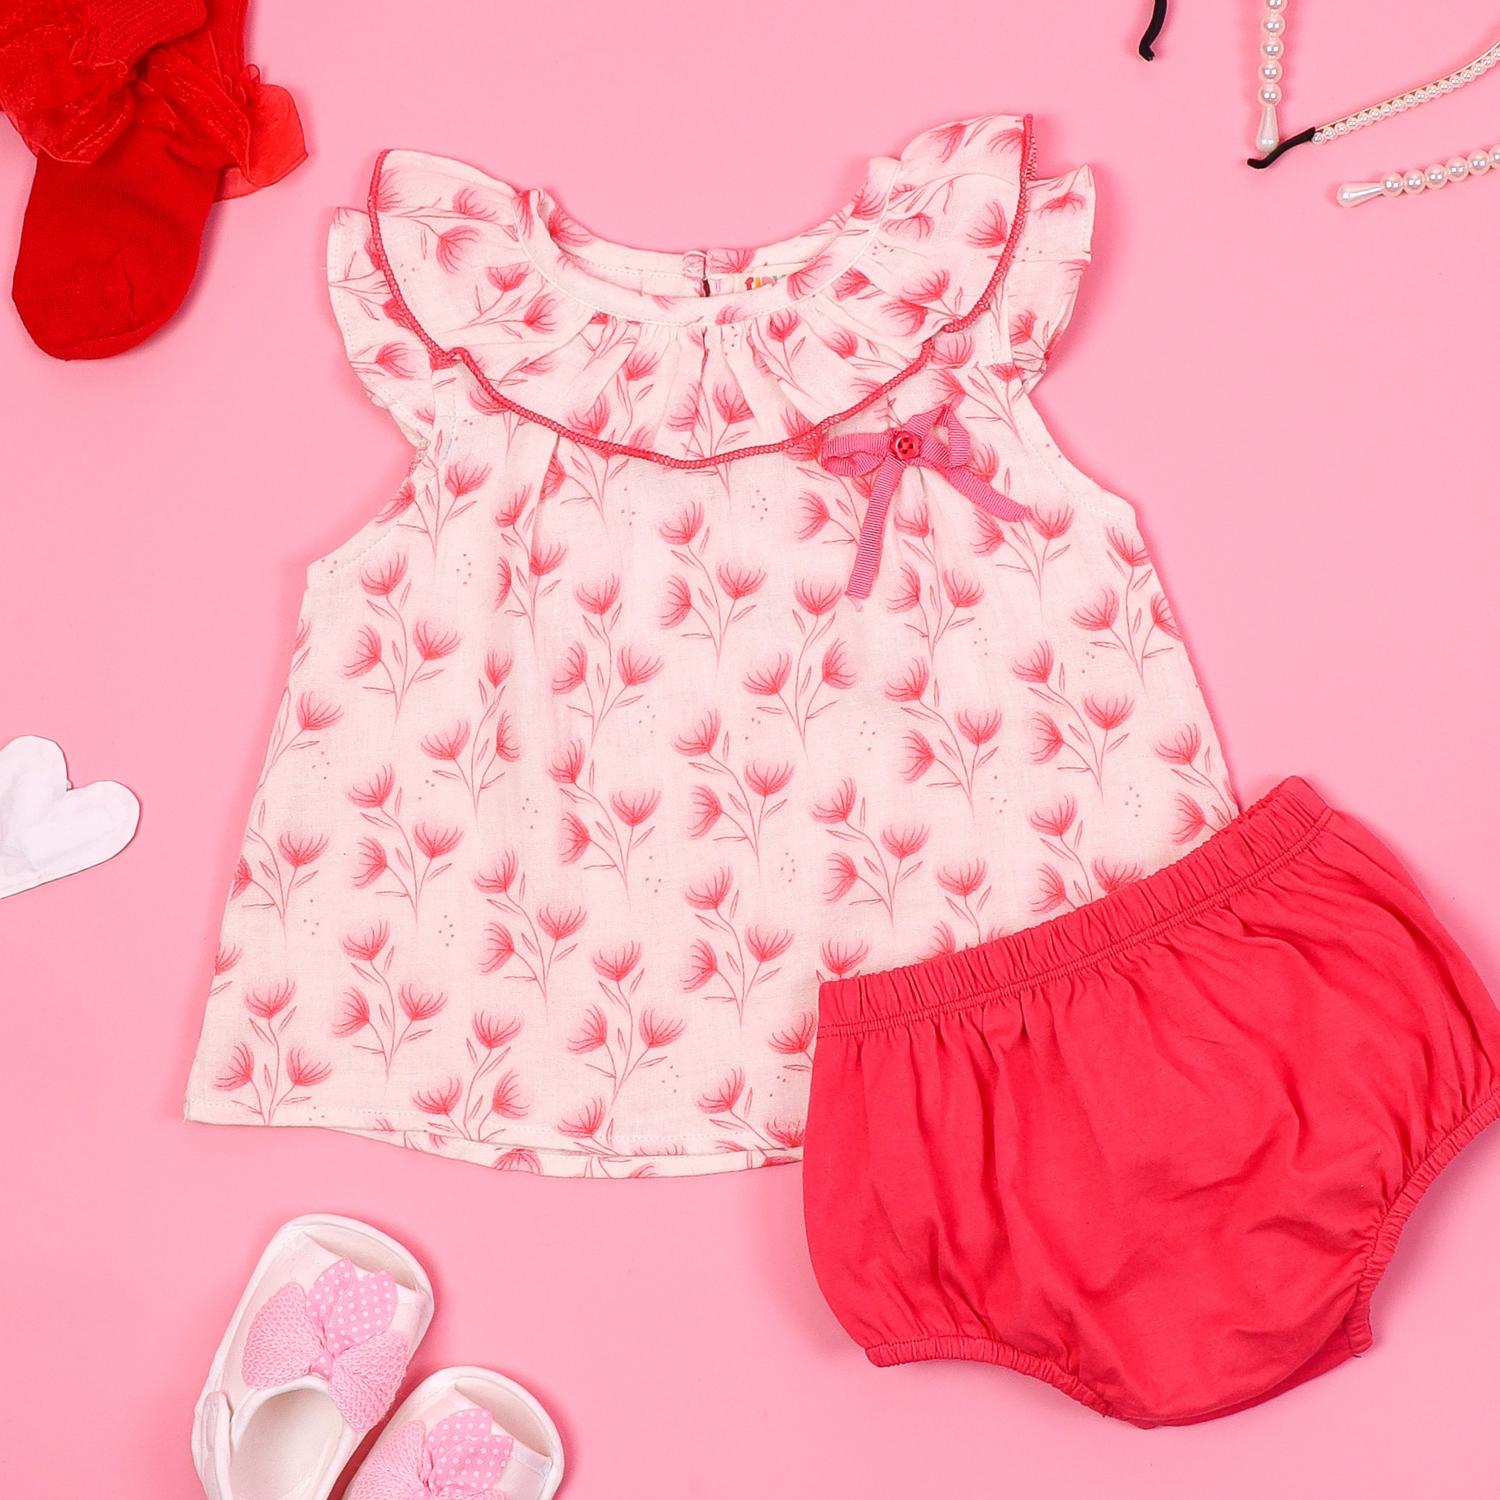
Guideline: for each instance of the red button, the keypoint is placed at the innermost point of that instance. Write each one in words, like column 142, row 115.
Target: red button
column 905, row 446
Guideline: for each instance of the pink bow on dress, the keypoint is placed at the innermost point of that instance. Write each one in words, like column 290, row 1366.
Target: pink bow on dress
column 462, row 1459
column 889, row 454
column 338, row 1330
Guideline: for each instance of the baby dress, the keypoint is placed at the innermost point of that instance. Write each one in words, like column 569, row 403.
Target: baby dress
column 738, row 627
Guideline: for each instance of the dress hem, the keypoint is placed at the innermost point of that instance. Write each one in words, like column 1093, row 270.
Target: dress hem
column 508, row 1154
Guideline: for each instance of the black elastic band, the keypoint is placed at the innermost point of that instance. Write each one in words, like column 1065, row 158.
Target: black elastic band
column 1300, row 139
column 1158, row 20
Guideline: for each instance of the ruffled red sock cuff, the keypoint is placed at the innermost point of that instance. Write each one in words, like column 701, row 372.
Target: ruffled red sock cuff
column 65, row 69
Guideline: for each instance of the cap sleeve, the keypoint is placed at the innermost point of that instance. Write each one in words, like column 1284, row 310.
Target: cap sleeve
column 387, row 355
column 1042, row 282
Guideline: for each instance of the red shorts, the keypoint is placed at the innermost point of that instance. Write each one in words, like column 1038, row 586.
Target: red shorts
column 1158, row 1151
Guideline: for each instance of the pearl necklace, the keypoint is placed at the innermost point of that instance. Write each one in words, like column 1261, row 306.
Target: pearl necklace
column 1272, row 49
column 1399, row 103
column 1269, row 69
column 1439, row 174
column 1393, row 184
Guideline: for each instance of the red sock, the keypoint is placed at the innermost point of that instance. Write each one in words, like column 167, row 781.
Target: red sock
column 66, row 66
column 108, row 249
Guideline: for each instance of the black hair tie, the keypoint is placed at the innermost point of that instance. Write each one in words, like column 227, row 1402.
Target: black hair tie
column 1300, row 139
column 1153, row 30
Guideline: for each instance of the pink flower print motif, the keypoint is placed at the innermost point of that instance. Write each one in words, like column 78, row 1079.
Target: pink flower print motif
column 299, row 723
column 841, row 959
column 518, row 1159
column 1062, row 837
column 796, row 1041
column 737, row 959
column 586, row 1124
column 935, row 599
column 313, row 716
column 1121, row 621
column 417, row 855
column 1193, row 762
column 589, row 472
column 944, row 941
column 591, row 1128
column 528, row 569
column 957, row 749
column 633, row 382
column 399, row 1015
column 447, row 234
column 300, row 648
column 730, row 1106
column 991, row 229
column 461, row 1459
column 882, row 865
column 966, row 888
column 770, row 681
column 724, row 416
column 432, row 643
column 1192, row 821
column 239, row 1071
column 739, row 582
column 750, row 796
column 775, row 348
column 833, row 519
column 610, row 682
column 399, row 503
column 633, row 809
column 477, row 759
column 281, row 868
column 339, row 1329
column 537, row 939
column 287, row 1078
column 788, row 1134
column 224, row 960
column 1085, row 881
column 481, row 1106
column 807, row 685
column 620, row 1043
column 443, row 496
column 927, row 295
column 516, row 310
column 618, row 827
column 848, row 346
column 392, row 360
column 1112, row 875
column 1033, row 545
column 1162, row 617
column 1080, row 736
column 853, row 283
column 396, row 657
column 1024, row 331
column 712, row 598
column 1053, row 894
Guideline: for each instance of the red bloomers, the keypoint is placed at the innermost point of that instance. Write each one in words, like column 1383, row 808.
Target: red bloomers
column 1158, row 1151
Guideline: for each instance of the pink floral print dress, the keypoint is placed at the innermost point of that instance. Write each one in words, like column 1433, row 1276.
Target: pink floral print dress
column 591, row 767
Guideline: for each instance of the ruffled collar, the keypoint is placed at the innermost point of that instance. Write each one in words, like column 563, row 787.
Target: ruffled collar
column 695, row 358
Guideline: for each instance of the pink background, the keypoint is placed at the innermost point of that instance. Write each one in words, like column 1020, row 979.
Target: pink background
column 1301, row 400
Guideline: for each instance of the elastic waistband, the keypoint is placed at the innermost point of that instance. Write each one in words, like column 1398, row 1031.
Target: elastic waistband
column 1276, row 829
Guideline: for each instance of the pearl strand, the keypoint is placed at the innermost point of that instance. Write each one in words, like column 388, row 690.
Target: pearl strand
column 1409, row 184
column 1399, row 103
column 1268, row 75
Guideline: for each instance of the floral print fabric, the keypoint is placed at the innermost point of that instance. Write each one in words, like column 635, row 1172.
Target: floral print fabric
column 588, row 771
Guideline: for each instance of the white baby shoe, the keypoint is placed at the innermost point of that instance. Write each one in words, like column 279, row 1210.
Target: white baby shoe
column 314, row 1356
column 464, row 1433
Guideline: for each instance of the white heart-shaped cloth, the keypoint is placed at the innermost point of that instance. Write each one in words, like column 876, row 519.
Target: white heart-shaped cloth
column 49, row 829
